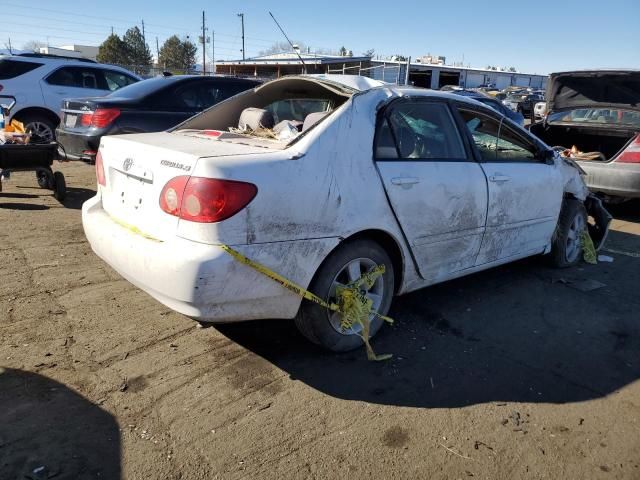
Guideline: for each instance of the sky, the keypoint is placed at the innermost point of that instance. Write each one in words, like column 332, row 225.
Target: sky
column 540, row 36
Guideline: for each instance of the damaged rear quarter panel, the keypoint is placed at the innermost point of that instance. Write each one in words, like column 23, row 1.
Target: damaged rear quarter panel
column 322, row 189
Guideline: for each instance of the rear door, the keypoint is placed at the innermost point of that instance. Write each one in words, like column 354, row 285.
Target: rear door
column 73, row 82
column 436, row 189
column 525, row 193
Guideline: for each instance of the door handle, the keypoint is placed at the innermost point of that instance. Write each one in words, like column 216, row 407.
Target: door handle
column 405, row 180
column 498, row 178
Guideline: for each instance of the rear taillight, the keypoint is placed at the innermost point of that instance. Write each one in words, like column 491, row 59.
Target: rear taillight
column 205, row 200
column 100, row 170
column 102, row 117
column 631, row 154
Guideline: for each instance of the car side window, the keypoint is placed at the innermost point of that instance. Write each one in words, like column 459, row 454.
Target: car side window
column 78, row 77
column 116, row 80
column 514, row 147
column 420, row 130
column 485, row 132
column 496, row 141
column 65, row 77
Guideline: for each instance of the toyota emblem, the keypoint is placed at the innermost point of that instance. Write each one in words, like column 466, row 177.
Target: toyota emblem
column 127, row 164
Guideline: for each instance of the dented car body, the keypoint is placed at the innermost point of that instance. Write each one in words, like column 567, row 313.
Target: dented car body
column 435, row 185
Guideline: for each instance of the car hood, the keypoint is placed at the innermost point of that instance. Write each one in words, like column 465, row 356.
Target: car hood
column 594, row 89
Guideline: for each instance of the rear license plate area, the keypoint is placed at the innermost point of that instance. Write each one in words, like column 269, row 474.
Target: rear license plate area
column 70, row 120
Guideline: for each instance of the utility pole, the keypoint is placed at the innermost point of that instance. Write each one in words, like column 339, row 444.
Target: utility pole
column 144, row 39
column 204, row 47
column 10, row 49
column 157, row 51
column 111, row 30
column 213, row 51
column 241, row 15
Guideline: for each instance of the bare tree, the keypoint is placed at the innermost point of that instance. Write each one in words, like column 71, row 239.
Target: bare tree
column 33, row 46
column 282, row 47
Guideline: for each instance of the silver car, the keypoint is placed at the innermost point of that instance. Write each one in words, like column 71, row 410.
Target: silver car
column 596, row 114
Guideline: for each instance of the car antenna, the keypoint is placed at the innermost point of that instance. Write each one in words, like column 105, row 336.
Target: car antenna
column 304, row 65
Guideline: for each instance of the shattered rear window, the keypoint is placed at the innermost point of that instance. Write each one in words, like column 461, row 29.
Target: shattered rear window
column 600, row 116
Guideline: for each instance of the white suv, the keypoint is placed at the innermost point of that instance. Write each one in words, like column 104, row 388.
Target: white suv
column 40, row 83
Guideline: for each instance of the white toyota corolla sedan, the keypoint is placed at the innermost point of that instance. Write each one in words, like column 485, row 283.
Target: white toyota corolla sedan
column 320, row 179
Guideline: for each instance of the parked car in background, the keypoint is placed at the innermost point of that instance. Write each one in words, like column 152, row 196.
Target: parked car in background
column 431, row 185
column 152, row 105
column 493, row 103
column 598, row 113
column 539, row 110
column 451, row 88
column 522, row 102
column 41, row 82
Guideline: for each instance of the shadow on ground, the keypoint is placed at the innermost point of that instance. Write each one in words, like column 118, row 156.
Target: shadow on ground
column 49, row 431
column 518, row 333
column 22, row 206
column 77, row 196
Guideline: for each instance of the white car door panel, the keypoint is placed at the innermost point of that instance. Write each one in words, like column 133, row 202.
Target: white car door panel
column 524, row 192
column 523, row 211
column 438, row 196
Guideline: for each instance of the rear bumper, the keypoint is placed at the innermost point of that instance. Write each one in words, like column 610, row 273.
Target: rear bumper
column 612, row 178
column 77, row 146
column 196, row 279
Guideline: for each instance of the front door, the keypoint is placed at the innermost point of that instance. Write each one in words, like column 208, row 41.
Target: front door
column 438, row 192
column 525, row 193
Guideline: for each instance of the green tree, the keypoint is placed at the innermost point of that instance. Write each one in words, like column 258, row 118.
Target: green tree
column 178, row 55
column 113, row 50
column 138, row 50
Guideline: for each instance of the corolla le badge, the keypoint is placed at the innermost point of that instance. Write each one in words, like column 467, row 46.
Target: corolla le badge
column 127, row 164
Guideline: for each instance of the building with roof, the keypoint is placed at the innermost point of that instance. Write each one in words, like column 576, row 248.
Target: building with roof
column 419, row 73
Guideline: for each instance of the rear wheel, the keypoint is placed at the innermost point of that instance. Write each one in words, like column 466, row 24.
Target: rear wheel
column 566, row 247
column 342, row 267
column 41, row 128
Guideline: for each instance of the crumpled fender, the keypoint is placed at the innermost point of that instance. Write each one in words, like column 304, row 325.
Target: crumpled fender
column 602, row 218
column 575, row 185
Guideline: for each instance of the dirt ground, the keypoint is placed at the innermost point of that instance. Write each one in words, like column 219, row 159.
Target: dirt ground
column 511, row 373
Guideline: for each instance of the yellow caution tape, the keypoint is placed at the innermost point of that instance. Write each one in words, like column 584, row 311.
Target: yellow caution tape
column 134, row 229
column 588, row 249
column 353, row 306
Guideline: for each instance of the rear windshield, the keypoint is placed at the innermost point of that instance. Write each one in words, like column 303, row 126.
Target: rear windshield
column 142, row 89
column 598, row 116
column 12, row 68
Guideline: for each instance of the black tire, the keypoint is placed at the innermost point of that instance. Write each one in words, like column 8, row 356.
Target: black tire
column 41, row 127
column 314, row 322
column 60, row 186
column 43, row 180
column 566, row 245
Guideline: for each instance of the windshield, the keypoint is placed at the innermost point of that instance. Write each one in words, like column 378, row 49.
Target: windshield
column 607, row 116
column 516, row 98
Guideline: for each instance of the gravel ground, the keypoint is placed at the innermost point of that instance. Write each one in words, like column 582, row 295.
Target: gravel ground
column 511, row 373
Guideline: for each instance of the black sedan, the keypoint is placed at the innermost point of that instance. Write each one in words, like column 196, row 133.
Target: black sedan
column 152, row 105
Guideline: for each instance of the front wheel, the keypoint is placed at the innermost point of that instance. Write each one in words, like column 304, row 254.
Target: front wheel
column 345, row 265
column 566, row 246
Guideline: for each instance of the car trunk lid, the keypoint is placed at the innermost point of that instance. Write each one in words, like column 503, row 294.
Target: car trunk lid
column 590, row 89
column 138, row 166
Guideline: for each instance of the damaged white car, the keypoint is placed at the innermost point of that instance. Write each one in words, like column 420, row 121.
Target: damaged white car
column 320, row 179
